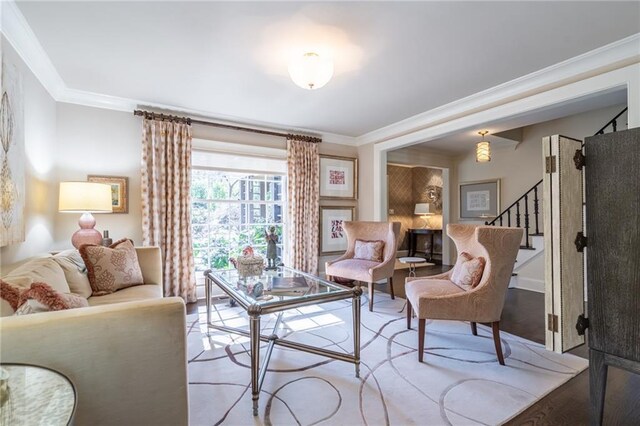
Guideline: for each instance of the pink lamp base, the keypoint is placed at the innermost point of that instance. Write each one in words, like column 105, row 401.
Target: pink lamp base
column 86, row 234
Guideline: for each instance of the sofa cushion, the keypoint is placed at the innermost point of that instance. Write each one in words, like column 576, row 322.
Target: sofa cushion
column 42, row 269
column 111, row 268
column 75, row 272
column 369, row 250
column 130, row 294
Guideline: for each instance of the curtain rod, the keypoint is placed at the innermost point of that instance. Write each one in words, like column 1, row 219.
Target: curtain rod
column 188, row 120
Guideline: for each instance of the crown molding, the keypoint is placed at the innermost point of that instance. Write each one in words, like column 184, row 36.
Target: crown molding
column 17, row 31
column 614, row 55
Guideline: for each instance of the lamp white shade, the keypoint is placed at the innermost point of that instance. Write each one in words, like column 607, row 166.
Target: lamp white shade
column 81, row 197
column 423, row 209
column 311, row 71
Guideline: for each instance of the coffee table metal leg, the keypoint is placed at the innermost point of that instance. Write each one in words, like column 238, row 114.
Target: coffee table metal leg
column 254, row 331
column 356, row 333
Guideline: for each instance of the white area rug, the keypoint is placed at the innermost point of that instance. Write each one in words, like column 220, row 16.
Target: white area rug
column 460, row 382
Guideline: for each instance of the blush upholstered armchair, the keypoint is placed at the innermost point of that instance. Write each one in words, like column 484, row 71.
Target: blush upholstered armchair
column 367, row 271
column 437, row 297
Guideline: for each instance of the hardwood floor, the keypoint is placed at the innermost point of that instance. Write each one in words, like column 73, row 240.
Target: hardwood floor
column 523, row 315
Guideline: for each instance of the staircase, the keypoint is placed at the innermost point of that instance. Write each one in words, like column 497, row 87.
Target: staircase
column 529, row 263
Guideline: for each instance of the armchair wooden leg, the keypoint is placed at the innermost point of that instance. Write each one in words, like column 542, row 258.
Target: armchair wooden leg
column 390, row 282
column 496, row 340
column 408, row 315
column 371, row 297
column 421, row 330
column 474, row 329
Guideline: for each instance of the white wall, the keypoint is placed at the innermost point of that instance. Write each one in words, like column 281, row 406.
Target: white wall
column 99, row 142
column 40, row 180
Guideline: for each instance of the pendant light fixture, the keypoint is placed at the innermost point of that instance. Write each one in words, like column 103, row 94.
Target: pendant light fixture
column 483, row 149
column 311, row 71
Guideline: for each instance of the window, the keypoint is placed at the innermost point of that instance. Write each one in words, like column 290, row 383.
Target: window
column 233, row 209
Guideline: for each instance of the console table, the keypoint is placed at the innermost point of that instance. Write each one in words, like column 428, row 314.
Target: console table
column 413, row 239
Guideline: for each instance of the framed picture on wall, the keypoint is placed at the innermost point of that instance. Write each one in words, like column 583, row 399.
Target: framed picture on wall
column 333, row 239
column 119, row 191
column 479, row 200
column 338, row 177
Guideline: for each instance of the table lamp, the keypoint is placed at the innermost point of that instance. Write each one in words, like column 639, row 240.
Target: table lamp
column 423, row 210
column 85, row 198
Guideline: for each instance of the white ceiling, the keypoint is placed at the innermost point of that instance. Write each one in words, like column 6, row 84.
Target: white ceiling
column 392, row 60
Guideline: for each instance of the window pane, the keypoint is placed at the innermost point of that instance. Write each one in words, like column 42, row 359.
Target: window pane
column 231, row 211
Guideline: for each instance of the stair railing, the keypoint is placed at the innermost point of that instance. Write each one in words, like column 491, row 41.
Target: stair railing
column 533, row 192
column 506, row 214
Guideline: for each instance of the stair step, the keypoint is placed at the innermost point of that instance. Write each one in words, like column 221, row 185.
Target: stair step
column 526, row 248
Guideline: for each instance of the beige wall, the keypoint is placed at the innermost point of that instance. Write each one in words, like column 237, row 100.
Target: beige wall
column 97, row 141
column 519, row 169
column 40, row 174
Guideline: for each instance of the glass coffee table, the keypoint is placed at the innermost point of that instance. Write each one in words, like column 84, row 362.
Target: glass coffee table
column 283, row 289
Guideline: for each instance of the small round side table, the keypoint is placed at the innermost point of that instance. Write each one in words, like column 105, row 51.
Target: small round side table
column 33, row 395
column 412, row 262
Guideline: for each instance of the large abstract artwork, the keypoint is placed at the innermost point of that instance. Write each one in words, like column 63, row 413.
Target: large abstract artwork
column 12, row 186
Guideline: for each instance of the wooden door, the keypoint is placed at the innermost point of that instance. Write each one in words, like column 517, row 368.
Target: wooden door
column 564, row 265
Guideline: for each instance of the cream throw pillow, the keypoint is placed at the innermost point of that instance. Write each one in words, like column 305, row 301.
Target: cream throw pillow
column 44, row 269
column 112, row 268
column 369, row 250
column 75, row 271
column 469, row 272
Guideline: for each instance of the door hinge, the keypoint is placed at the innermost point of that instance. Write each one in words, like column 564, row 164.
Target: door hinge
column 552, row 323
column 580, row 242
column 579, row 159
column 550, row 164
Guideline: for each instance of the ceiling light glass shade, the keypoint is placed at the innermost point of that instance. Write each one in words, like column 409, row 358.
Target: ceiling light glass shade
column 311, row 71
column 483, row 152
column 80, row 197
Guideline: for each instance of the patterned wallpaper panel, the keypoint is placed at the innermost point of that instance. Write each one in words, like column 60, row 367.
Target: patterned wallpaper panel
column 408, row 186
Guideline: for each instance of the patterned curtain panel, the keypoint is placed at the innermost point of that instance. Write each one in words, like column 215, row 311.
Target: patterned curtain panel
column 166, row 202
column 303, row 166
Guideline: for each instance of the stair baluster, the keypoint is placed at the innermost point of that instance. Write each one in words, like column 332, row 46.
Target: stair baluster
column 526, row 221
column 518, row 214
column 536, row 208
column 509, row 218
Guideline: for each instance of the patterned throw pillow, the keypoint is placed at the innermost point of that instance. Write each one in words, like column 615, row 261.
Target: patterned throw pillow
column 39, row 297
column 462, row 257
column 111, row 268
column 369, row 250
column 469, row 272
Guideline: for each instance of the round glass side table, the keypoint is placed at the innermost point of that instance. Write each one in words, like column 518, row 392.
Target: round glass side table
column 33, row 395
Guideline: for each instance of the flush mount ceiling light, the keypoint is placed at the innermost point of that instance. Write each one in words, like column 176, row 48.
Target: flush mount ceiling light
column 483, row 149
column 311, row 71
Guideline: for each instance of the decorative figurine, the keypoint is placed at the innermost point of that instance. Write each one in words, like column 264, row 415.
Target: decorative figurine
column 272, row 252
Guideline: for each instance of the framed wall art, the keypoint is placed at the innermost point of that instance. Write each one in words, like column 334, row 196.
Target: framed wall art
column 480, row 200
column 119, row 191
column 333, row 239
column 12, row 157
column 338, row 177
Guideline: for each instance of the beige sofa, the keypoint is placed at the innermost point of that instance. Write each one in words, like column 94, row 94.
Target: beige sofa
column 125, row 354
